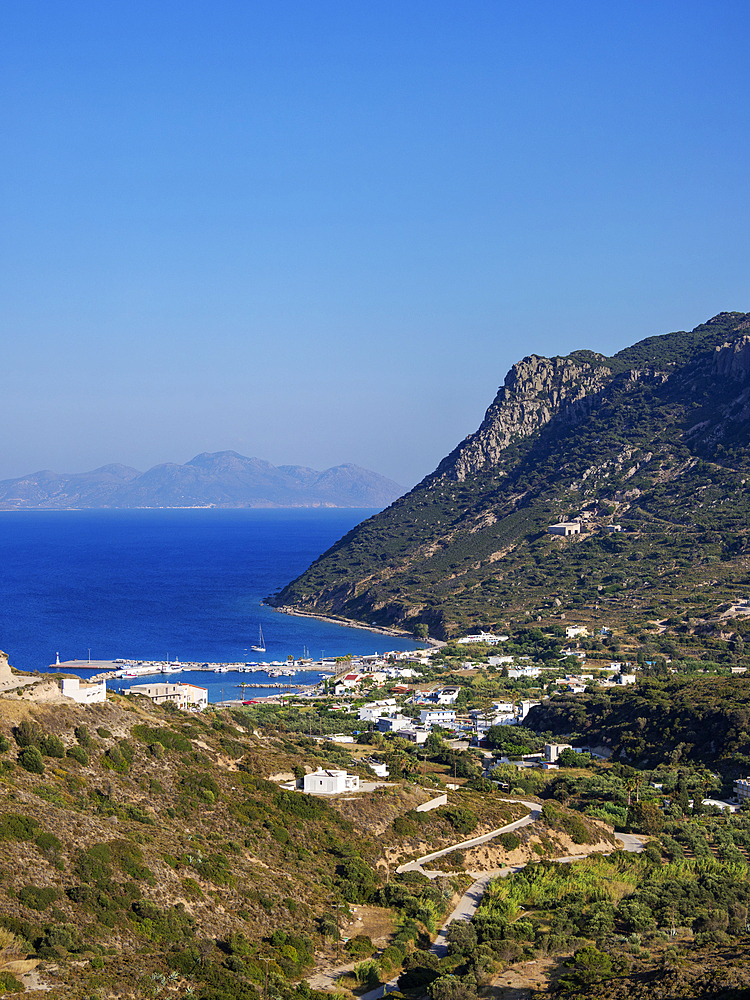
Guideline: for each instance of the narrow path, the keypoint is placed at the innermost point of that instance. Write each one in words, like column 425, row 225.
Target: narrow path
column 534, row 814
column 469, row 902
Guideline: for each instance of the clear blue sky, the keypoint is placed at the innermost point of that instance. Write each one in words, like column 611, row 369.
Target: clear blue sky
column 316, row 231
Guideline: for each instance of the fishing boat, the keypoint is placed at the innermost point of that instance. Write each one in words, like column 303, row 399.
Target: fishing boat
column 261, row 647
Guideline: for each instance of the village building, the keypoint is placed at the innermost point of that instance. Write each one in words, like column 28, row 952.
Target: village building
column 393, row 723
column 184, row 696
column 88, row 694
column 374, row 709
column 564, row 528
column 573, row 630
column 330, row 782
column 552, row 751
column 438, row 717
column 482, row 637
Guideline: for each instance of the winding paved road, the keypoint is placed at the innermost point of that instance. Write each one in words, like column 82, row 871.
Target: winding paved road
column 534, row 814
column 469, row 902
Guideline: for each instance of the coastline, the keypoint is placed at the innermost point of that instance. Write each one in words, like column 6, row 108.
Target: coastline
column 396, row 633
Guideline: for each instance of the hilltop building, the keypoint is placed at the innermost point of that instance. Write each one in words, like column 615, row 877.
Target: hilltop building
column 184, row 696
column 322, row 782
column 89, row 694
column 565, row 528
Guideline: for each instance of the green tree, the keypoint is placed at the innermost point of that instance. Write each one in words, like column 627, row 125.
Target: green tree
column 646, row 817
column 590, row 965
column 31, row 759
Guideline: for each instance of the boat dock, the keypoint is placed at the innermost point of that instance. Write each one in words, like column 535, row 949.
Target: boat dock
column 122, row 669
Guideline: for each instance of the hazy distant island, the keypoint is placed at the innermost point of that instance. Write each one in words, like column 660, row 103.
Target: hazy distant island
column 221, row 479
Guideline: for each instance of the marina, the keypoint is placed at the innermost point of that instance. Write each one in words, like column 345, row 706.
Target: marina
column 121, row 668
column 228, row 682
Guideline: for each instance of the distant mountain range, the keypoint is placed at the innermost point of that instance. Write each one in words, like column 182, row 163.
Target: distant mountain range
column 222, row 479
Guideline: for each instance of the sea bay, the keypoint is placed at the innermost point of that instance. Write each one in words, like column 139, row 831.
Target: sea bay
column 162, row 584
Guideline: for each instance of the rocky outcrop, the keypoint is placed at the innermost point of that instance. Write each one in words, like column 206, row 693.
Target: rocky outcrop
column 535, row 390
column 732, row 360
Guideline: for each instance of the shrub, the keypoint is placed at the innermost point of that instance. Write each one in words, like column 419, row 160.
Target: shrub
column 404, row 827
column 104, row 733
column 26, row 733
column 510, row 841
column 4, row 744
column 168, row 738
column 191, row 889
column 13, row 826
column 30, row 759
column 37, row 897
column 360, row 946
column 78, row 753
column 48, row 842
column 9, row 983
column 462, row 820
column 367, row 973
column 52, row 746
column 83, row 736
column 119, row 757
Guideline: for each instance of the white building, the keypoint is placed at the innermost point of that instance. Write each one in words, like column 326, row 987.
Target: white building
column 89, row 694
column 446, row 695
column 437, row 717
column 484, row 637
column 565, row 528
column 516, row 672
column 184, row 696
column 374, row 709
column 414, row 734
column 573, row 630
column 524, row 707
column 378, row 766
column 553, row 750
column 322, row 782
column 393, row 723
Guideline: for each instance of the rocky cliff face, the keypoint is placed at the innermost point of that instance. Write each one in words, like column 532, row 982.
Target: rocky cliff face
column 656, row 438
column 535, row 390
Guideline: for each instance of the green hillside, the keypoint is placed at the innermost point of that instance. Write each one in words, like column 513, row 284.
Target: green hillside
column 654, row 439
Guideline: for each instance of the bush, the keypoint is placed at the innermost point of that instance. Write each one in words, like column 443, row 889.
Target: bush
column 510, row 840
column 462, row 820
column 30, row 759
column 367, row 973
column 119, row 757
column 37, row 897
column 27, row 733
column 4, row 744
column 48, row 843
column 9, row 983
column 52, row 746
column 13, row 826
column 168, row 738
column 360, row 946
column 83, row 736
column 404, row 827
column 78, row 753
column 104, row 733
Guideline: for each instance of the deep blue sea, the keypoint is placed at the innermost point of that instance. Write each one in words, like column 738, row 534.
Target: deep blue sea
column 158, row 584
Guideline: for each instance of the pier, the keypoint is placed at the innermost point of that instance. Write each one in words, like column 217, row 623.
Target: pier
column 124, row 669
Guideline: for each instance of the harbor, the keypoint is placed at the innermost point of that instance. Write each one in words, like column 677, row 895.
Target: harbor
column 226, row 682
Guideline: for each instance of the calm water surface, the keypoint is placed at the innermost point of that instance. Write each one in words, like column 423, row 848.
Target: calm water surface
column 153, row 584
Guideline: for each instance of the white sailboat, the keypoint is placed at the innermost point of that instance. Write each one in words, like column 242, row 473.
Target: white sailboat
column 261, row 647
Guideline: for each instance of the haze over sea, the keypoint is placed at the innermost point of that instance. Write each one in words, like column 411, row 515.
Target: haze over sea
column 158, row 584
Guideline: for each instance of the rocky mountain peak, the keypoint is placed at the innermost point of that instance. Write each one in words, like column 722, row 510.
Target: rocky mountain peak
column 535, row 390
